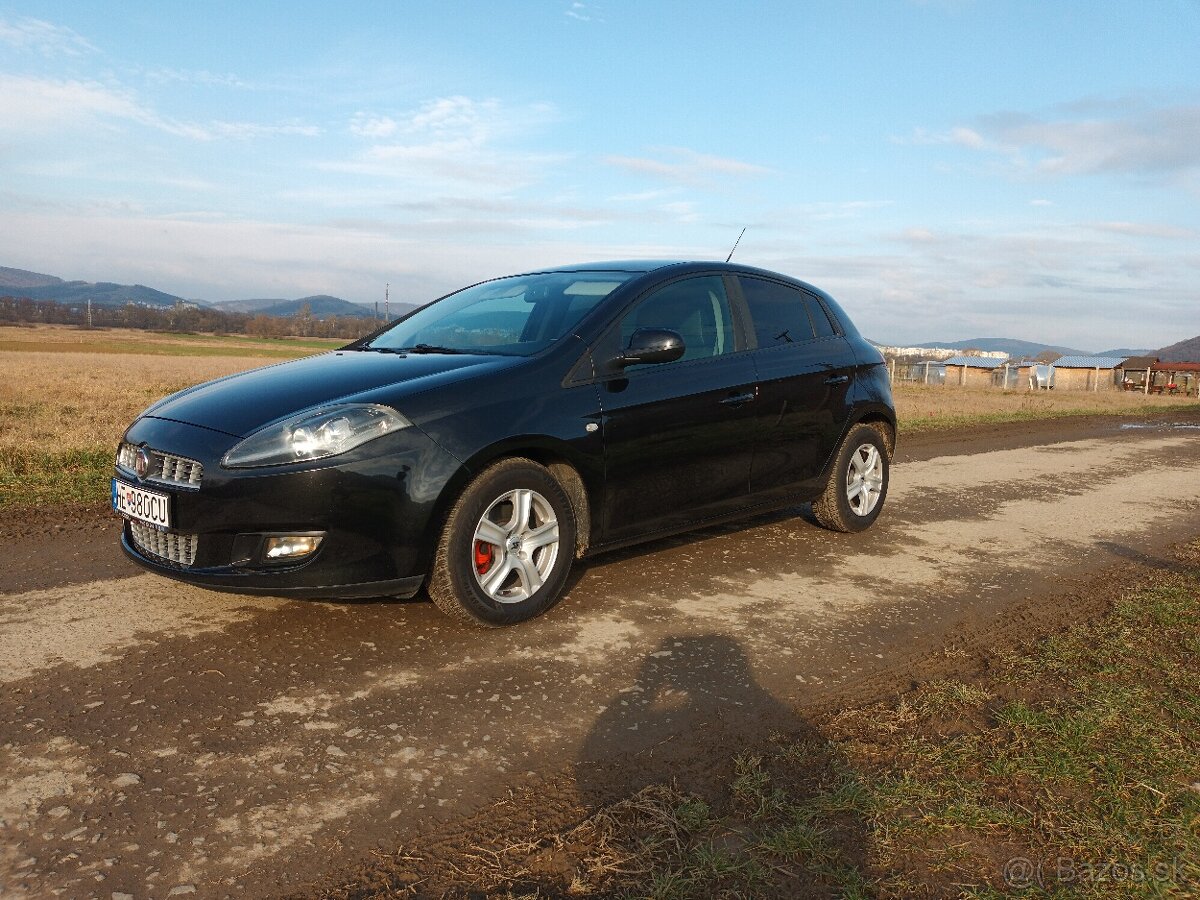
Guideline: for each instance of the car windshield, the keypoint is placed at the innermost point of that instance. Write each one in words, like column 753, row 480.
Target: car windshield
column 515, row 316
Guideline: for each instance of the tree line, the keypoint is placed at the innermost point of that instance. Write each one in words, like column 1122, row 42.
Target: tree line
column 183, row 317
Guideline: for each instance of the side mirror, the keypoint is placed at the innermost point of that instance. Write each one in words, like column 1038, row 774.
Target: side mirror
column 651, row 345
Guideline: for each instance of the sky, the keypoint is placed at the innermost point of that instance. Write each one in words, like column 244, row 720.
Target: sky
column 947, row 169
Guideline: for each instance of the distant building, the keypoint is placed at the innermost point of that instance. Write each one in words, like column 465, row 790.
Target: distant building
column 1134, row 372
column 1175, row 378
column 1087, row 373
column 1034, row 375
column 936, row 353
column 973, row 371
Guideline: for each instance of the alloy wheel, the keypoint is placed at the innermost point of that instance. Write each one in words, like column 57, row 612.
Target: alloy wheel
column 515, row 546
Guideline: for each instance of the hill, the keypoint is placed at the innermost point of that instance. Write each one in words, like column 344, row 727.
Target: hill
column 103, row 293
column 1014, row 348
column 37, row 286
column 20, row 279
column 322, row 306
column 1183, row 351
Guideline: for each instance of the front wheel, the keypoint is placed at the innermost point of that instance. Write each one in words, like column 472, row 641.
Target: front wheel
column 858, row 482
column 507, row 547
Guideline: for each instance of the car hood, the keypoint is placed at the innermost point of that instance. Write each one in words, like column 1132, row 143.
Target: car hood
column 241, row 404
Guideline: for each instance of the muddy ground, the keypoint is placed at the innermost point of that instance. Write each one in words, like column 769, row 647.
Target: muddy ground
column 158, row 740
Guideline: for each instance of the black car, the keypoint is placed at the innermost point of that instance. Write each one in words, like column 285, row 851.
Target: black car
column 480, row 444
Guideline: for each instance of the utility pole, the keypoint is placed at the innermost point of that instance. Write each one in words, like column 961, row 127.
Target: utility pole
column 387, row 316
column 89, row 300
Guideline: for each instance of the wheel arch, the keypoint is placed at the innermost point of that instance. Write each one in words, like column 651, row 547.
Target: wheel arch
column 579, row 482
column 886, row 425
column 877, row 414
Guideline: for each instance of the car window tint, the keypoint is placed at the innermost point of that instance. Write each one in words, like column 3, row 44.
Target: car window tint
column 778, row 312
column 498, row 320
column 522, row 314
column 819, row 317
column 696, row 308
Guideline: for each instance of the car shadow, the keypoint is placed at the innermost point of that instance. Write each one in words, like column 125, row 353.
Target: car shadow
column 693, row 717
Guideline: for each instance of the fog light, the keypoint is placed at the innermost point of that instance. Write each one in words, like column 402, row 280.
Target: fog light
column 291, row 546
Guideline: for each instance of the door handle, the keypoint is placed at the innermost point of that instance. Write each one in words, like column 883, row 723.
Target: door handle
column 739, row 399
column 837, row 379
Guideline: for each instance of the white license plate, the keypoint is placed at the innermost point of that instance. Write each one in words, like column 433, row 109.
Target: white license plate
column 145, row 506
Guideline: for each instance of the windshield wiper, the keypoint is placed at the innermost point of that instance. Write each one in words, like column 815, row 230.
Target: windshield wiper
column 432, row 348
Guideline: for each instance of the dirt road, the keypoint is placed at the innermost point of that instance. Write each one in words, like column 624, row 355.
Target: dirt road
column 159, row 740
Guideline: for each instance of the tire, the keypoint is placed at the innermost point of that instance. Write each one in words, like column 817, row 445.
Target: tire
column 858, row 482
column 506, row 548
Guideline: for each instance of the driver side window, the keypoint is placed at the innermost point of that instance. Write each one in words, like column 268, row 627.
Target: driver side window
column 696, row 308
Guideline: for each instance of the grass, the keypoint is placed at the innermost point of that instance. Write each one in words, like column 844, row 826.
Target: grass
column 64, row 339
column 1071, row 769
column 935, row 407
column 67, row 394
column 62, row 414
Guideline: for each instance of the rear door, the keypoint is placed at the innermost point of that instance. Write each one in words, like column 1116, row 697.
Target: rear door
column 805, row 367
column 679, row 436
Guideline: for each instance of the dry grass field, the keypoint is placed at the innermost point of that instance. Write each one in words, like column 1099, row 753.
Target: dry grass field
column 66, row 395
column 923, row 407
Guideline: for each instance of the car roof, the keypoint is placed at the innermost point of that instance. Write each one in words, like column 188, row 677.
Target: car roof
column 626, row 265
column 641, row 266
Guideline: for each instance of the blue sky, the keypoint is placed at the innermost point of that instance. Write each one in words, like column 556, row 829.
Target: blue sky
column 948, row 169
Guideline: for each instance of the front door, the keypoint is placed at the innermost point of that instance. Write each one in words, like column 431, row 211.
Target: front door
column 679, row 436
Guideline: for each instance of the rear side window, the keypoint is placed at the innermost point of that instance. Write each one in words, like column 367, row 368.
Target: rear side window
column 819, row 317
column 780, row 313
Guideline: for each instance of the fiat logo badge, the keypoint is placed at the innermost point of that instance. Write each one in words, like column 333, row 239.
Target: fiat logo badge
column 141, row 462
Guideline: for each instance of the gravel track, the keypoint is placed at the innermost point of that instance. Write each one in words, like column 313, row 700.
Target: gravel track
column 156, row 738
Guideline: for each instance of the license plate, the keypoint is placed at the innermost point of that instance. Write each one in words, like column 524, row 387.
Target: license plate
column 145, row 506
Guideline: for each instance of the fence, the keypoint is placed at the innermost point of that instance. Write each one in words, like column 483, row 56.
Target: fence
column 917, row 373
column 930, row 372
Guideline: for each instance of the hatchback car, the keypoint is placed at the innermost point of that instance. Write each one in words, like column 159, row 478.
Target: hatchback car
column 479, row 445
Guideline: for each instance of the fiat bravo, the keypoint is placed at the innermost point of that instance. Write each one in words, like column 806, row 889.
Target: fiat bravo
column 478, row 446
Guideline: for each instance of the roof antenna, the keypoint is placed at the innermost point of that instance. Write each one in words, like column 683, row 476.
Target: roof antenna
column 735, row 243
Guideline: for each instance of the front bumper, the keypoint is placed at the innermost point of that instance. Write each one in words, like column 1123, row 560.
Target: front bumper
column 374, row 506
column 273, row 583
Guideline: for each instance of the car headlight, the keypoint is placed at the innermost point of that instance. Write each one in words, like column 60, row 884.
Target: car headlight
column 315, row 435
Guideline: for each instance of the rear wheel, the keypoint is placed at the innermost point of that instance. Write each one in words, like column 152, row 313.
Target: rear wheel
column 858, row 482
column 507, row 547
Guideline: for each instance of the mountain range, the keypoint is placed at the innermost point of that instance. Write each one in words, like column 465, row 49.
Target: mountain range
column 38, row 286
column 321, row 306
column 1028, row 349
column 1183, row 351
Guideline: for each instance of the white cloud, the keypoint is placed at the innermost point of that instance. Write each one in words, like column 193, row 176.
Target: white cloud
column 43, row 37
column 39, row 105
column 249, row 130
column 451, row 139
column 685, row 166
column 1146, row 229
column 959, row 135
column 581, row 12
column 1154, row 141
column 200, row 77
column 370, row 126
column 1086, row 138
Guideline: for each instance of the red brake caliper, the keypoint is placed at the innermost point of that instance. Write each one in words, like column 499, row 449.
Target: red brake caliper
column 484, row 555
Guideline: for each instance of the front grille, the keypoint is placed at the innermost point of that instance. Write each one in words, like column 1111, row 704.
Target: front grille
column 178, row 549
column 179, row 470
column 167, row 468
